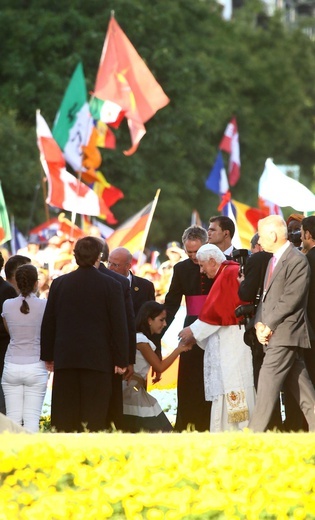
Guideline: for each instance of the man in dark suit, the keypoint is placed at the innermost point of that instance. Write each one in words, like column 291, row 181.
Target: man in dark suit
column 83, row 336
column 115, row 412
column 250, row 290
column 308, row 240
column 142, row 290
column 192, row 408
column 281, row 327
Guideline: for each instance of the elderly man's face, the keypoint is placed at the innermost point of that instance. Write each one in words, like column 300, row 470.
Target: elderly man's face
column 209, row 267
column 118, row 262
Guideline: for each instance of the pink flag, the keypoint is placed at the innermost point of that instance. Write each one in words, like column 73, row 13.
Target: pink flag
column 230, row 144
column 65, row 191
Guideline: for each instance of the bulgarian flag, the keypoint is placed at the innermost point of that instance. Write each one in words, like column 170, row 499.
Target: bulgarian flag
column 64, row 190
column 125, row 87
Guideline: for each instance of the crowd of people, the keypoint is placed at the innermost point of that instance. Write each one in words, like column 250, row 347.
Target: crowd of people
column 83, row 313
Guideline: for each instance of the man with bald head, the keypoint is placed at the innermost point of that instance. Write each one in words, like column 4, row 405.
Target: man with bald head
column 142, row 290
column 281, row 327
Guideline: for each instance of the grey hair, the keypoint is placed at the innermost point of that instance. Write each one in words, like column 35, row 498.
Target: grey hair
column 208, row 251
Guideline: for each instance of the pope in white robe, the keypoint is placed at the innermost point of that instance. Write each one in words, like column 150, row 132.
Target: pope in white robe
column 228, row 368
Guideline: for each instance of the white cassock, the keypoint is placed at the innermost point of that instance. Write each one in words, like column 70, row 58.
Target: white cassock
column 228, row 375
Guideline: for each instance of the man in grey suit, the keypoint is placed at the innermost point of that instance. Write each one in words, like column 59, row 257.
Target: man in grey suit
column 281, row 327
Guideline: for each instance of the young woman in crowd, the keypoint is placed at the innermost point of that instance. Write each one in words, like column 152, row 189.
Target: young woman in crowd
column 24, row 378
column 142, row 412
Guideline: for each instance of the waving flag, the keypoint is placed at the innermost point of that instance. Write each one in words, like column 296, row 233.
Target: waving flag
column 125, row 87
column 64, row 190
column 73, row 124
column 74, row 128
column 247, row 221
column 284, row 191
column 109, row 193
column 230, row 144
column 5, row 228
column 132, row 234
column 217, row 179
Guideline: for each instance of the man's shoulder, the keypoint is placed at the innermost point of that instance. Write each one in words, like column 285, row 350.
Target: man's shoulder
column 295, row 255
column 311, row 256
column 123, row 280
column 138, row 280
column 258, row 259
column 6, row 289
column 185, row 265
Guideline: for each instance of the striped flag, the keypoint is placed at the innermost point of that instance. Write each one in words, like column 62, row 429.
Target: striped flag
column 64, row 190
column 230, row 144
column 5, row 229
column 132, row 234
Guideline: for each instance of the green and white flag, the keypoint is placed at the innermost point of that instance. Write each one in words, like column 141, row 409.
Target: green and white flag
column 73, row 123
column 5, row 228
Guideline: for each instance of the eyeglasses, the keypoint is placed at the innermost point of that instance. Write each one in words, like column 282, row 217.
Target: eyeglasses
column 113, row 264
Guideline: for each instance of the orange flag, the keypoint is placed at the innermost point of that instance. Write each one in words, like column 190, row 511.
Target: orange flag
column 126, row 86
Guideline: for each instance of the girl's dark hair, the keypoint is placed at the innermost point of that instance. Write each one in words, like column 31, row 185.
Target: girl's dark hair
column 26, row 276
column 148, row 310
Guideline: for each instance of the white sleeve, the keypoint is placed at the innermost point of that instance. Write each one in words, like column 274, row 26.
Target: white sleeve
column 202, row 331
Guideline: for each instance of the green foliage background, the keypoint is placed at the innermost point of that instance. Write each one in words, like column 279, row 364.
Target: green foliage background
column 263, row 73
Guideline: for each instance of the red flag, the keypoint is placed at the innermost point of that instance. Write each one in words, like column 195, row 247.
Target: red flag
column 64, row 190
column 109, row 193
column 230, row 144
column 124, row 79
column 105, row 137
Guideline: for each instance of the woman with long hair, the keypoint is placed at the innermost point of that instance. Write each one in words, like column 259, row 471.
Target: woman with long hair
column 142, row 412
column 24, row 378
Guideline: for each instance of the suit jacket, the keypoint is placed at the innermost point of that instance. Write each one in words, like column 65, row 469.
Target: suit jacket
column 311, row 295
column 283, row 307
column 130, row 315
column 186, row 281
column 254, row 272
column 84, row 324
column 142, row 291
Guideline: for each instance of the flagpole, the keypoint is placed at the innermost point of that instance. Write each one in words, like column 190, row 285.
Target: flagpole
column 147, row 226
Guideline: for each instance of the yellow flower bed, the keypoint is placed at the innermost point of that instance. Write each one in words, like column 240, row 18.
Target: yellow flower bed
column 159, row 476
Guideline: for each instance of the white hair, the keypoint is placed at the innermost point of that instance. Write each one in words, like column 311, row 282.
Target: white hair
column 208, row 251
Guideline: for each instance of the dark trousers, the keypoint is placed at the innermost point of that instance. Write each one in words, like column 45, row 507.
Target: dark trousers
column 115, row 409
column 80, row 400
column 192, row 409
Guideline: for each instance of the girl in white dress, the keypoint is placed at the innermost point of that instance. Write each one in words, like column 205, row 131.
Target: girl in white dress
column 142, row 412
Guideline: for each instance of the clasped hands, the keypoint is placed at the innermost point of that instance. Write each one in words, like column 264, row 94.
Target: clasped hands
column 263, row 333
column 186, row 337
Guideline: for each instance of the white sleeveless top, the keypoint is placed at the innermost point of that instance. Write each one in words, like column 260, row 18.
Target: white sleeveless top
column 141, row 365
